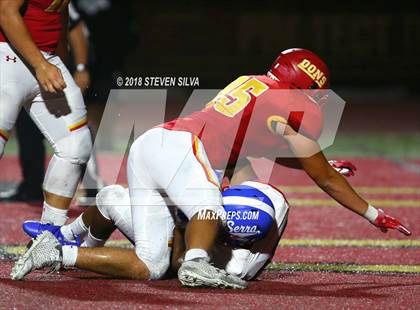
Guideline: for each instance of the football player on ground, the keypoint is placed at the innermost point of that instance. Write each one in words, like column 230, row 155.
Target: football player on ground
column 33, row 40
column 241, row 253
column 245, row 244
column 173, row 164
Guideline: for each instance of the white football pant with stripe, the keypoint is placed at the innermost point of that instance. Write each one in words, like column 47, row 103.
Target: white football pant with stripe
column 114, row 204
column 61, row 117
column 167, row 168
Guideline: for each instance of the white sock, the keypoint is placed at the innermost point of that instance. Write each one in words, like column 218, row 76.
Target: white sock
column 53, row 215
column 75, row 228
column 67, row 232
column 70, row 255
column 371, row 213
column 195, row 253
column 92, row 242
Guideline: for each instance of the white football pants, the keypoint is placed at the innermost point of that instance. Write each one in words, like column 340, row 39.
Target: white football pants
column 61, row 118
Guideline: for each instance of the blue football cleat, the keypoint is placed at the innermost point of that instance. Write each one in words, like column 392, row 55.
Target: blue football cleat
column 35, row 228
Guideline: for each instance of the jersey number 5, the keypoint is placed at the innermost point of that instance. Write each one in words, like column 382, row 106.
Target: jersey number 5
column 57, row 6
column 237, row 95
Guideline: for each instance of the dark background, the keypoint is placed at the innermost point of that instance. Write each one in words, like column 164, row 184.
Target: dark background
column 371, row 47
column 365, row 43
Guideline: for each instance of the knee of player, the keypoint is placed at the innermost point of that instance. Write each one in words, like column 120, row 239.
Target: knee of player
column 156, row 266
column 110, row 198
column 138, row 270
column 76, row 147
column 158, row 269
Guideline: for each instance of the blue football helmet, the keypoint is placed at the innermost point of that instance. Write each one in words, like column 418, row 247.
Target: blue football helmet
column 250, row 212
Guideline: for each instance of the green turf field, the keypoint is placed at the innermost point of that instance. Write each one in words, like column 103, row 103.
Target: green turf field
column 389, row 145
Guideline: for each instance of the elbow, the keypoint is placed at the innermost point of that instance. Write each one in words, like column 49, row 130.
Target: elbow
column 326, row 185
column 327, row 182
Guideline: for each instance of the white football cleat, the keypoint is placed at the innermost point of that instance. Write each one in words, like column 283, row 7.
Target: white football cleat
column 200, row 273
column 45, row 251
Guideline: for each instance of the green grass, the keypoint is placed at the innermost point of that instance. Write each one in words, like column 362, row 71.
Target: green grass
column 389, row 145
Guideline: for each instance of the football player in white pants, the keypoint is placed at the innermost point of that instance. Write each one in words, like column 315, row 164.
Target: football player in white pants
column 113, row 210
column 172, row 165
column 113, row 204
column 33, row 76
column 161, row 162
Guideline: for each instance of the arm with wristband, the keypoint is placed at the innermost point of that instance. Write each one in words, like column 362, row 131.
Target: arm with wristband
column 327, row 175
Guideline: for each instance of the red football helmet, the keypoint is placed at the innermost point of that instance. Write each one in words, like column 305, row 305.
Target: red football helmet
column 300, row 68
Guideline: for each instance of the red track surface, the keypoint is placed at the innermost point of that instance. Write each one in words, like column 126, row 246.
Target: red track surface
column 366, row 256
column 275, row 289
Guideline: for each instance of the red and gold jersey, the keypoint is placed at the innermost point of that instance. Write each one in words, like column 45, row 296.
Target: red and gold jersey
column 43, row 18
column 240, row 121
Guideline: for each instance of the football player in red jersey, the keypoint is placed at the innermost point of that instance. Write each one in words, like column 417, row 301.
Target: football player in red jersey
column 177, row 160
column 33, row 42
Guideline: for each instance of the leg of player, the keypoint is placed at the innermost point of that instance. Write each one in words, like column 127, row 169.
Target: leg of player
column 16, row 81
column 62, row 119
column 93, row 228
column 91, row 181
column 241, row 174
column 178, row 249
column 96, row 224
column 122, row 263
column 176, row 162
column 113, row 210
column 46, row 251
column 200, row 235
column 207, row 229
column 116, row 262
column 100, row 228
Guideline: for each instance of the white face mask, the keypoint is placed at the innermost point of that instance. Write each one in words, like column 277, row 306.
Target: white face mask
column 272, row 76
